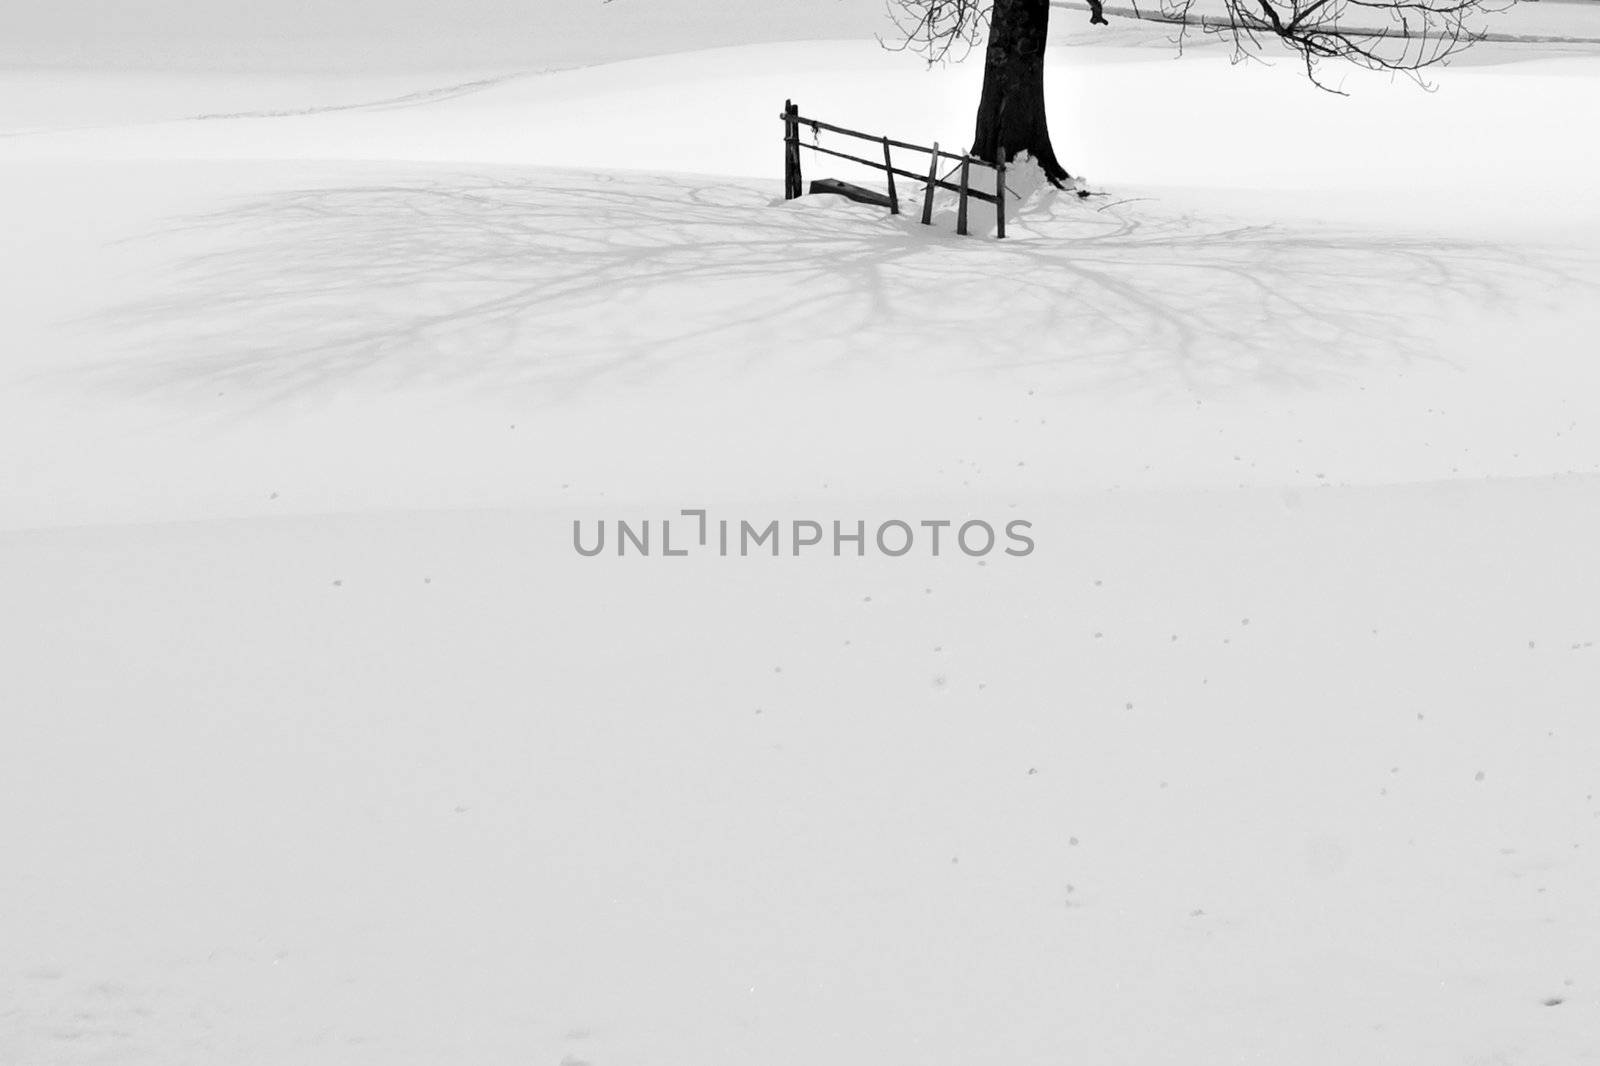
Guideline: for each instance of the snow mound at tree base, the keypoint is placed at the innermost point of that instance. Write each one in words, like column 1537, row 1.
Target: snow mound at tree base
column 1030, row 191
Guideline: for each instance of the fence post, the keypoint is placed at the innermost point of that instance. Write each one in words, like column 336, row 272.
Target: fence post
column 792, row 185
column 888, row 166
column 933, row 176
column 1000, row 197
column 961, row 212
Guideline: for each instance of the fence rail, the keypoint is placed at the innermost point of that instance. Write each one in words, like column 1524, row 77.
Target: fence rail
column 794, row 186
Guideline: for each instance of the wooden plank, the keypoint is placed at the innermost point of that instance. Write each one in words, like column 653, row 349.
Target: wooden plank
column 933, row 181
column 961, row 212
column 953, row 157
column 1000, row 198
column 851, row 192
column 888, row 167
column 792, row 180
column 831, row 128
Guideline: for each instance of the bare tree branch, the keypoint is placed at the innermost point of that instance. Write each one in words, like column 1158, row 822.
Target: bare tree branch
column 1405, row 36
column 936, row 28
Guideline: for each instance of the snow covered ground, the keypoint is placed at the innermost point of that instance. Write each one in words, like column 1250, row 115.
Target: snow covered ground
column 319, row 743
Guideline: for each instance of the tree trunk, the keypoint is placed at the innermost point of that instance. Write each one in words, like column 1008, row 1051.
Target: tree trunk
column 1011, row 116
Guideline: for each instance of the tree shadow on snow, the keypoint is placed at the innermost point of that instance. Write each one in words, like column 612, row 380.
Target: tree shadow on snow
column 548, row 283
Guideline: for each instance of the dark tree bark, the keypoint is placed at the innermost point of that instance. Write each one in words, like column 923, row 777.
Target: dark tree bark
column 1011, row 113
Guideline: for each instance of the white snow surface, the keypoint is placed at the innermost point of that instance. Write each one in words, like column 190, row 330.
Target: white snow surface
column 319, row 743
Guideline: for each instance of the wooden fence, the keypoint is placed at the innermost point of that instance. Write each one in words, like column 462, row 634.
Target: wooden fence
column 793, row 185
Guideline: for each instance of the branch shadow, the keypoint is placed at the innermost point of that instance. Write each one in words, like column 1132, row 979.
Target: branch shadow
column 551, row 283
